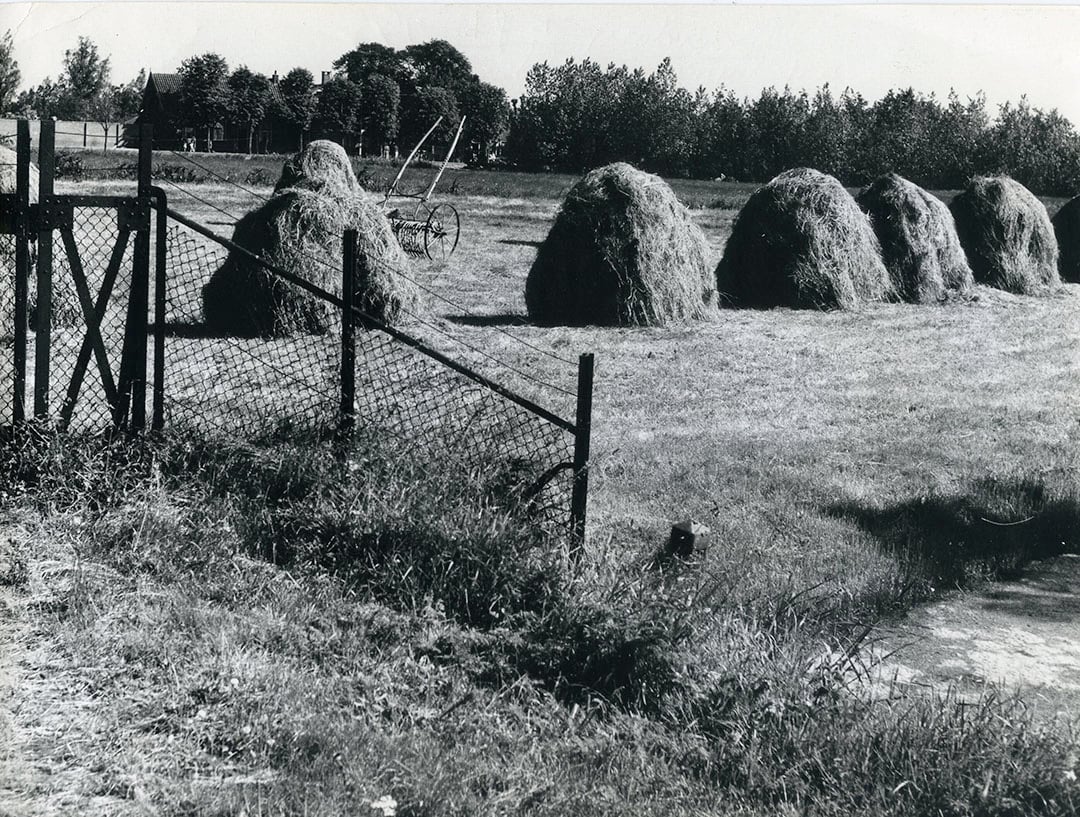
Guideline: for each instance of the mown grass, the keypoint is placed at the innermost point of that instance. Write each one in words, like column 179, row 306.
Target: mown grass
column 276, row 629
column 849, row 465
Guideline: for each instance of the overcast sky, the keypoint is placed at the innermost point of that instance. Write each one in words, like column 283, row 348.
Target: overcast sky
column 1006, row 51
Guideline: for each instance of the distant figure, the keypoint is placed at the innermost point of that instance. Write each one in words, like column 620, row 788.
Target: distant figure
column 189, row 145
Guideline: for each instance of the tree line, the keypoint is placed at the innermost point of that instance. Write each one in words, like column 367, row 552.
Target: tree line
column 387, row 95
column 577, row 115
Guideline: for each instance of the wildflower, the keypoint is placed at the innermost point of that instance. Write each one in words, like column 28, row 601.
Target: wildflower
column 386, row 804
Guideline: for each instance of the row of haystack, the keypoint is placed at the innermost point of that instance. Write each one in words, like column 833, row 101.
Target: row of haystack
column 624, row 251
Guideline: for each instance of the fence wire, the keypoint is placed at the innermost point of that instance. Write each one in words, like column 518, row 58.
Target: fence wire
column 79, row 369
column 216, row 382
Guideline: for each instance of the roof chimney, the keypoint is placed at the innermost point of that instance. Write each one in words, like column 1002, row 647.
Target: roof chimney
column 325, row 77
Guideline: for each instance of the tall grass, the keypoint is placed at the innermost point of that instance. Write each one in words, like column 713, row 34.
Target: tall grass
column 347, row 628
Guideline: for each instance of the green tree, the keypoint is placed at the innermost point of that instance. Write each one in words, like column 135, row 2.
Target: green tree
column 204, row 91
column 380, row 104
column 338, row 109
column 10, row 76
column 370, row 58
column 298, row 94
column 86, row 76
column 428, row 105
column 117, row 103
column 250, row 98
column 436, row 63
column 487, row 114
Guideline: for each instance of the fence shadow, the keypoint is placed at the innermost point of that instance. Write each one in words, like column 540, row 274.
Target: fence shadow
column 992, row 531
column 500, row 319
column 518, row 242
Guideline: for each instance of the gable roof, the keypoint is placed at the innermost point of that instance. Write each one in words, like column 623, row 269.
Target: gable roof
column 166, row 83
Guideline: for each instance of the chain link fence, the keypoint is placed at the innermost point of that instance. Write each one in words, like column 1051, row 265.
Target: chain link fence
column 214, row 383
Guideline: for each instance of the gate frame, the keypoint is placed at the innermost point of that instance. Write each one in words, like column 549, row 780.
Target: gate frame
column 53, row 213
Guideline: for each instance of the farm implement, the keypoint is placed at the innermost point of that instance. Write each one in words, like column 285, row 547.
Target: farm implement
column 430, row 232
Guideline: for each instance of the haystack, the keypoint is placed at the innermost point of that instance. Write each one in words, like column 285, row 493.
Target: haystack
column 1067, row 231
column 301, row 232
column 918, row 240
column 323, row 167
column 802, row 241
column 622, row 252
column 1007, row 235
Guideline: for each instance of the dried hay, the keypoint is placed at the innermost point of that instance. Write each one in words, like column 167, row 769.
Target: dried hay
column 322, row 167
column 301, row 232
column 918, row 240
column 1007, row 235
column 623, row 251
column 802, row 241
column 1067, row 231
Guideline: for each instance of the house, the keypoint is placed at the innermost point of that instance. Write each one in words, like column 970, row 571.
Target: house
column 161, row 108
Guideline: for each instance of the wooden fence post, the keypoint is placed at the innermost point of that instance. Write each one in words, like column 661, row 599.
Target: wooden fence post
column 579, row 499
column 347, row 416
column 161, row 247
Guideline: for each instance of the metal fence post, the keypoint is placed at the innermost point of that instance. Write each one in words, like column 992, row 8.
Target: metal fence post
column 43, row 318
column 579, row 499
column 347, row 417
column 22, row 268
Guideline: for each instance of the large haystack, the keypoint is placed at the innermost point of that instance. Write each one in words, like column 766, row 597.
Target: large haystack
column 802, row 241
column 301, row 232
column 1007, row 235
column 622, row 252
column 1067, row 231
column 323, row 167
column 918, row 240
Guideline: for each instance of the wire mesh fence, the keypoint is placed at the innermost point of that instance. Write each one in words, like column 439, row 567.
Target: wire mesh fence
column 91, row 251
column 219, row 383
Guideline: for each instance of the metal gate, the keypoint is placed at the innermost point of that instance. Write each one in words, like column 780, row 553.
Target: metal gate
column 75, row 332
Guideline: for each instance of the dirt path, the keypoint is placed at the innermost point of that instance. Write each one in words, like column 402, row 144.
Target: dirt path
column 48, row 724
column 1024, row 634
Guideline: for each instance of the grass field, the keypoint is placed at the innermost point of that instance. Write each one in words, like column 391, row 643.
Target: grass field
column 848, row 465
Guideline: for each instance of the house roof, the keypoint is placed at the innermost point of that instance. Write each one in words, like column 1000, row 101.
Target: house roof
column 166, row 84
column 168, row 87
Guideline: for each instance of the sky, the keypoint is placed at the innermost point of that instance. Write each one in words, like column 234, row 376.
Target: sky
column 1005, row 51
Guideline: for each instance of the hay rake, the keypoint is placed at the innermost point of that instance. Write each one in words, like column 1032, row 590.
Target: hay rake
column 430, row 231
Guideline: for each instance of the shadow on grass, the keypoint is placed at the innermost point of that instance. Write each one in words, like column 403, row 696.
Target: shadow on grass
column 991, row 532
column 517, row 242
column 178, row 329
column 501, row 319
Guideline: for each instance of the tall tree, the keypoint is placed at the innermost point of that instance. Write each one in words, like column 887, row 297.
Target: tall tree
column 249, row 100
column 298, row 93
column 370, row 58
column 437, row 63
column 86, row 75
column 487, row 114
column 204, row 91
column 116, row 103
column 10, row 76
column 427, row 106
column 380, row 109
column 338, row 108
